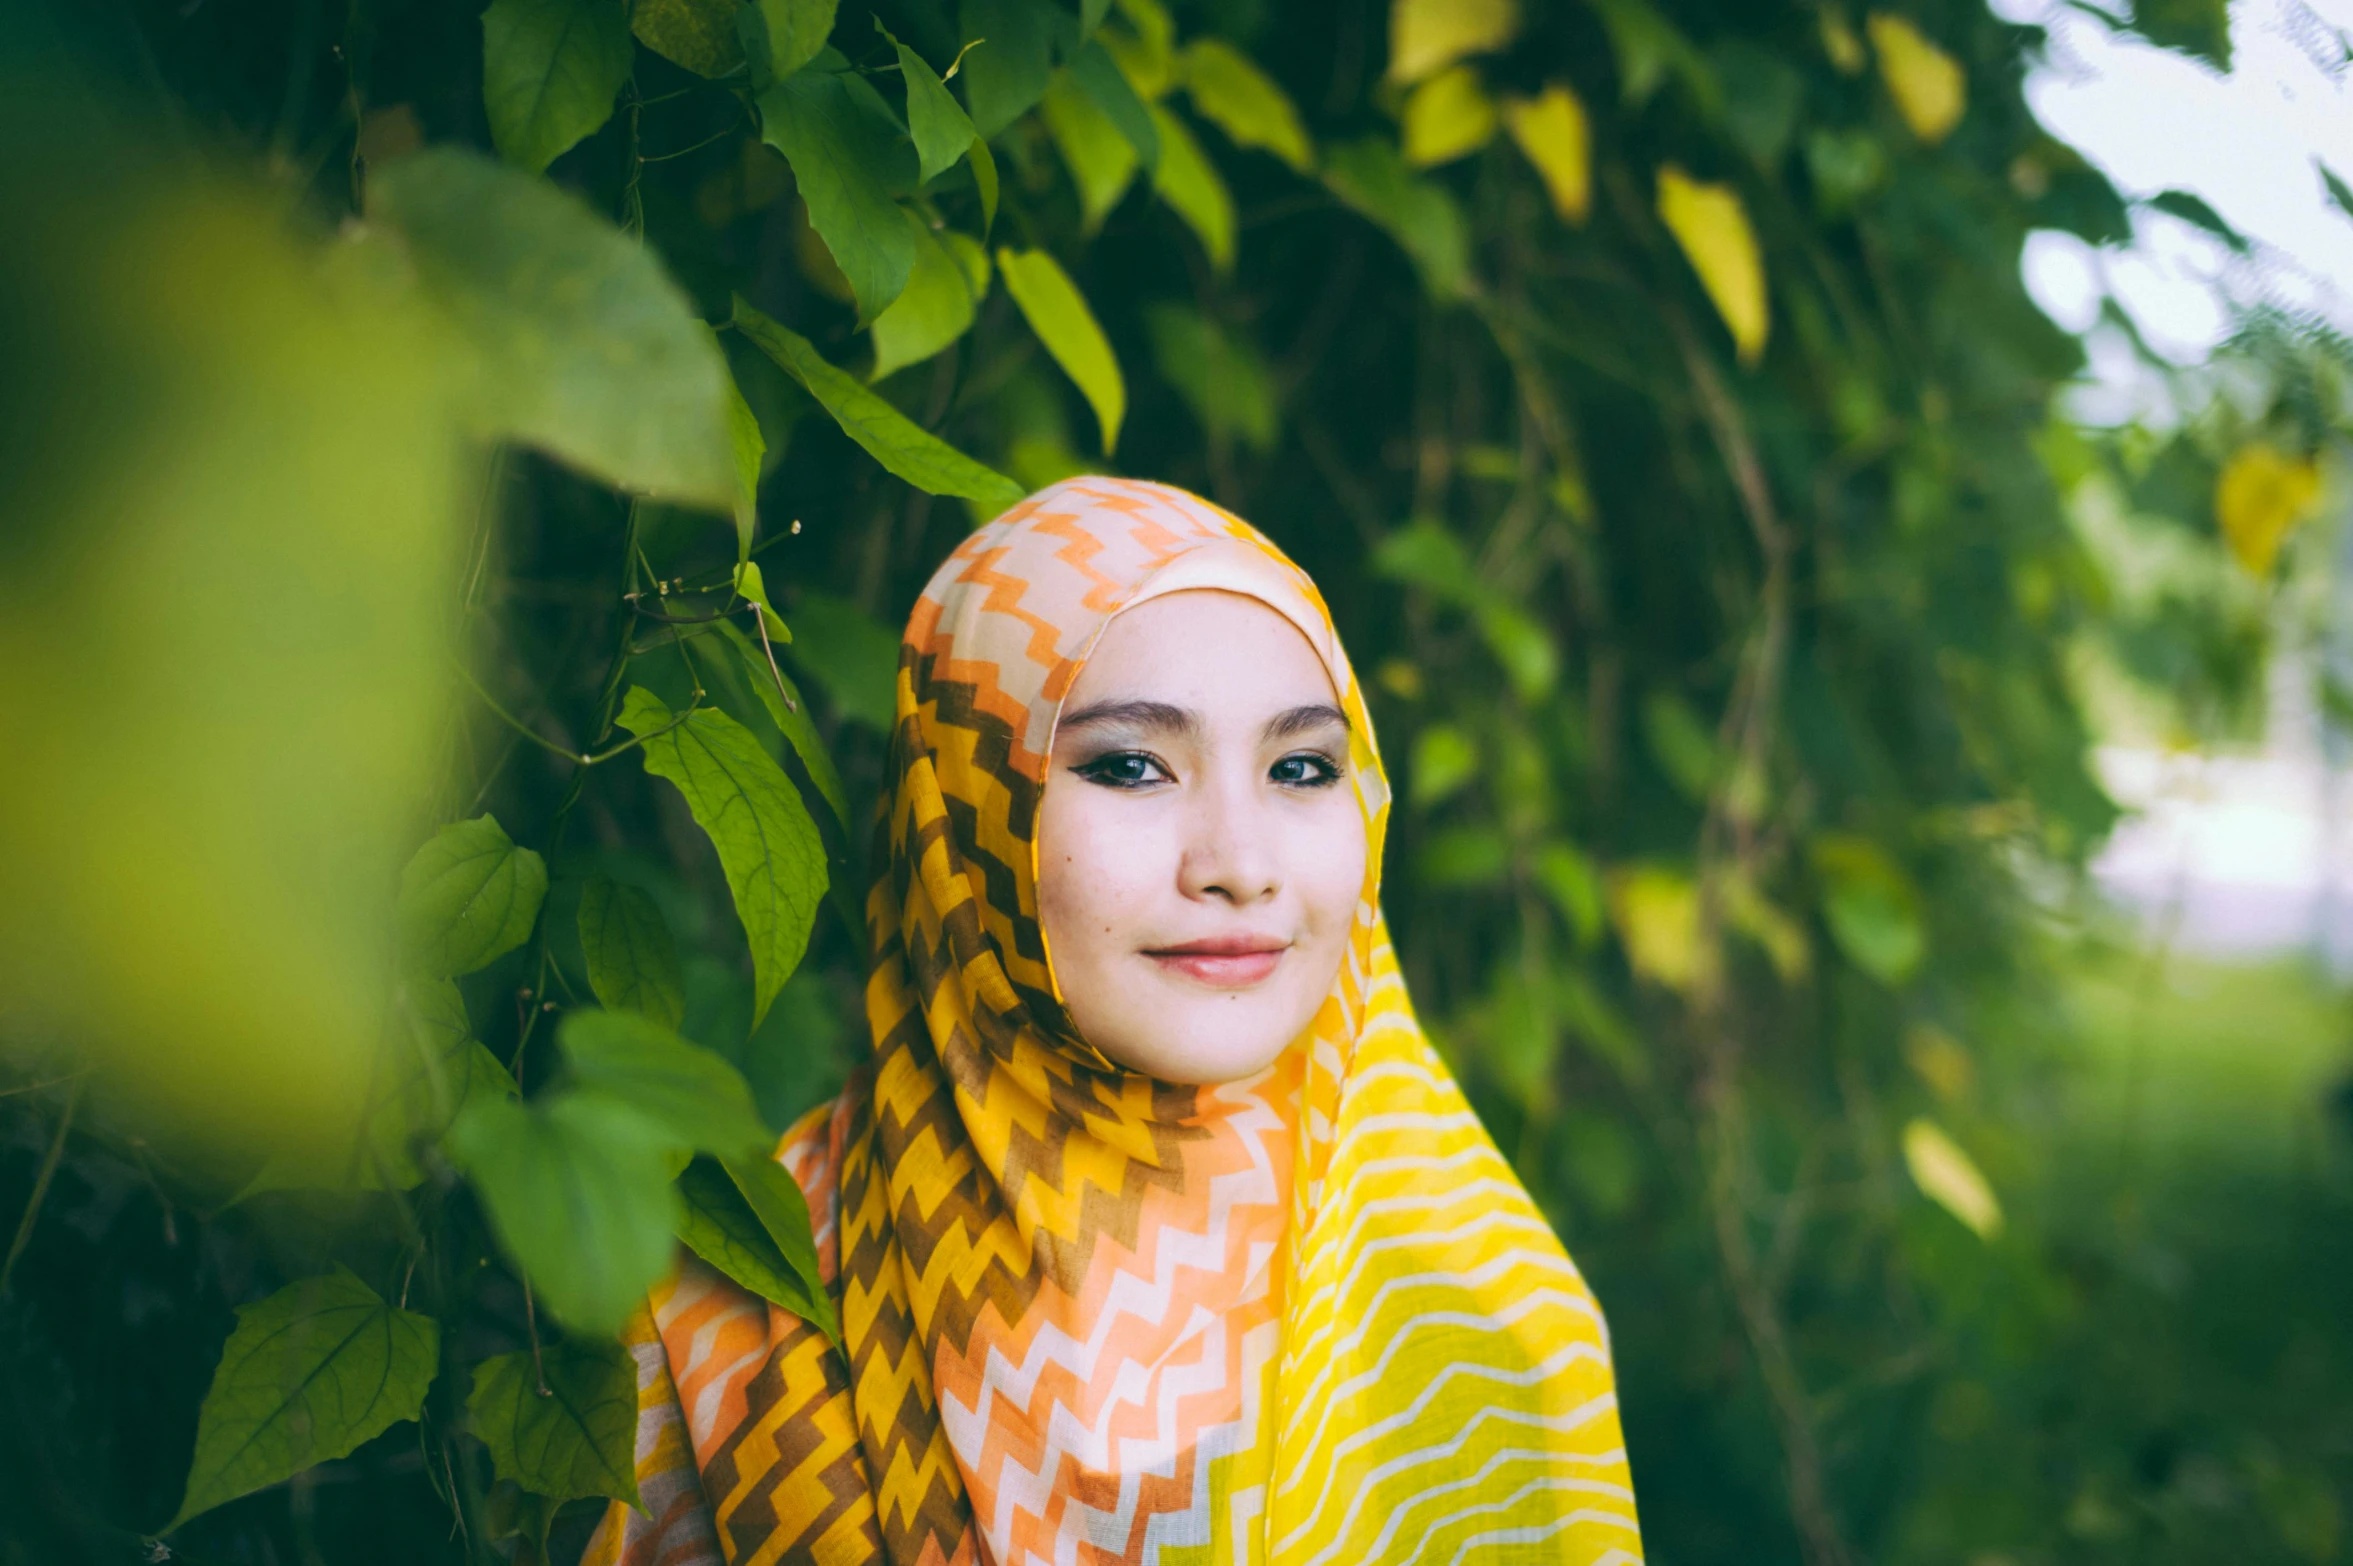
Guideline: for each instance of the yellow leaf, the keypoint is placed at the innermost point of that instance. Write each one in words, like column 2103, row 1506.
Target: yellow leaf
column 1950, row 1178
column 1100, row 160
column 1940, row 1060
column 1551, row 129
column 1189, row 183
column 1426, row 36
column 1657, row 914
column 1238, row 98
column 1840, row 43
column 2262, row 494
column 1781, row 938
column 1710, row 224
column 1058, row 313
column 1448, row 117
column 1927, row 84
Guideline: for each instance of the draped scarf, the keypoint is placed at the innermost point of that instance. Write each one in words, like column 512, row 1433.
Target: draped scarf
column 1311, row 1318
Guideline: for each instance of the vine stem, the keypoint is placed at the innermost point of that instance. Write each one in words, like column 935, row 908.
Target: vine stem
column 608, row 700
column 32, row 1213
column 531, row 1325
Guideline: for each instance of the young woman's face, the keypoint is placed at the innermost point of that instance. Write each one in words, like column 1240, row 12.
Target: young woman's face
column 1200, row 846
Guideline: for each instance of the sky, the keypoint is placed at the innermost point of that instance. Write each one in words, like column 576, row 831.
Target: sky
column 2246, row 143
column 2245, row 853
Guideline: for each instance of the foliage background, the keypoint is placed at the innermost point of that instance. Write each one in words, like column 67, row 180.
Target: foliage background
column 1652, row 391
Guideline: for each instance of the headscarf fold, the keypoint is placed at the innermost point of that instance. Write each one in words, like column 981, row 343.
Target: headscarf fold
column 1310, row 1319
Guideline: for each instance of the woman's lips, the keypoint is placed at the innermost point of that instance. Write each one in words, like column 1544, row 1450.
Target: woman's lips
column 1228, row 963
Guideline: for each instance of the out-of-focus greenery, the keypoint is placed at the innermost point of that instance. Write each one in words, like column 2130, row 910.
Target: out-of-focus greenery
column 457, row 541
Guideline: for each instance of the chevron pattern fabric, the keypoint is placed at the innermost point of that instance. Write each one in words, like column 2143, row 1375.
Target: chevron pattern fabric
column 1090, row 1317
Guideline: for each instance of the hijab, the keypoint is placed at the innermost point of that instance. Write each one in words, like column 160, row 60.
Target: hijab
column 1310, row 1318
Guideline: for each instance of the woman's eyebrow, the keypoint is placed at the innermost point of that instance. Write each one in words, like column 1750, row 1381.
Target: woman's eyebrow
column 1300, row 720
column 1157, row 716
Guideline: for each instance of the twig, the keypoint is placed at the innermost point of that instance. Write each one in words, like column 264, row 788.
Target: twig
column 24, row 1225
column 531, row 1325
column 515, row 723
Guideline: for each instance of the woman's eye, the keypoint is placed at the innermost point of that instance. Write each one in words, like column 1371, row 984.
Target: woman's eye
column 1305, row 770
column 1124, row 769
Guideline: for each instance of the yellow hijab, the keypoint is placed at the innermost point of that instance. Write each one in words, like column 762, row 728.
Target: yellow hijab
column 1310, row 1319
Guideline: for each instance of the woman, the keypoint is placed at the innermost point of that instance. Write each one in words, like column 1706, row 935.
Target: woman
column 1158, row 1231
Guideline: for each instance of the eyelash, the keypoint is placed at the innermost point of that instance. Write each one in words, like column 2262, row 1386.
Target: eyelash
column 1104, row 770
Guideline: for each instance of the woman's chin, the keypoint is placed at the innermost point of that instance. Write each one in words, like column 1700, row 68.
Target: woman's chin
column 1201, row 1044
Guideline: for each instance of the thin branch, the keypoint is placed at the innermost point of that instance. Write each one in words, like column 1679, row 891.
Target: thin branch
column 32, row 1213
column 517, row 724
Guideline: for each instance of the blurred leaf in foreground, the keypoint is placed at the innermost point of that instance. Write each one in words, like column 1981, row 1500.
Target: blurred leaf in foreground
column 221, row 582
column 583, row 346
column 578, row 1188
column 695, row 1096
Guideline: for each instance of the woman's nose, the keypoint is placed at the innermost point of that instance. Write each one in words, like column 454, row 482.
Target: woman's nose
column 1230, row 853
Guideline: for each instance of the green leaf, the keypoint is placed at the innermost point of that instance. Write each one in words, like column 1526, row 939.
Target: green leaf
column 1223, row 380
column 1682, row 744
column 790, row 713
column 775, row 1199
column 849, row 158
column 753, row 590
column 468, row 896
column 717, row 1223
column 1190, row 184
column 697, row 34
column 1101, row 163
column 1444, row 763
column 510, row 1512
column 693, row 1094
column 580, row 1439
column 767, row 844
column 581, row 343
column 1099, row 77
column 750, row 449
column 1371, row 176
column 893, row 439
column 632, row 962
column 2338, row 191
column 2199, row 27
column 2194, row 211
column 578, row 1190
column 1058, row 313
column 550, row 72
column 853, row 657
column 310, row 1373
column 1234, row 95
column 943, row 294
column 1007, row 74
column 941, row 130
column 795, row 31
column 1569, row 879
column 984, row 176
column 1871, row 907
